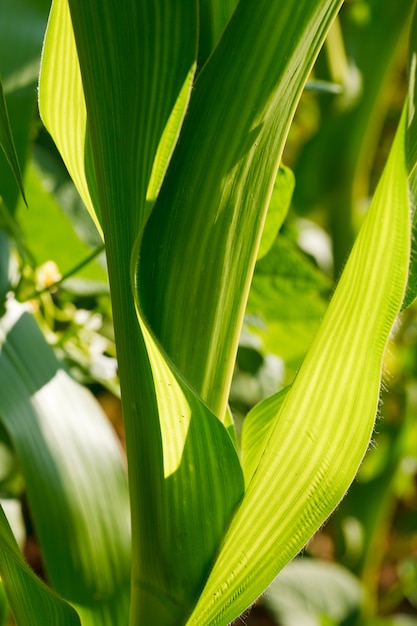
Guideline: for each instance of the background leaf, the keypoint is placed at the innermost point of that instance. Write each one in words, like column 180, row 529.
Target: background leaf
column 308, row 590
column 29, row 597
column 73, row 470
column 6, row 143
column 323, row 427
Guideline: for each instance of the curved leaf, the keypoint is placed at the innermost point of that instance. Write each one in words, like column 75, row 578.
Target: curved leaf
column 74, row 473
column 31, row 600
column 324, row 425
column 193, row 287
column 214, row 16
column 60, row 89
column 178, row 485
column 7, row 145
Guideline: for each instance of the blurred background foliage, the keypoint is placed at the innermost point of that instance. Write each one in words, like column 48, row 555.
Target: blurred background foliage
column 361, row 568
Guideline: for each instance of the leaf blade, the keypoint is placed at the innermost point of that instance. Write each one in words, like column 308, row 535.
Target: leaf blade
column 73, row 472
column 324, row 425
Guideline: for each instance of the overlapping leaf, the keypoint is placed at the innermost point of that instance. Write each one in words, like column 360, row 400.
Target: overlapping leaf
column 322, row 428
column 31, row 600
column 182, row 491
column 196, row 257
column 193, row 287
column 74, row 475
column 6, row 143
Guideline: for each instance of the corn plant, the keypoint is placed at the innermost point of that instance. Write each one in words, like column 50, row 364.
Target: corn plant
column 171, row 118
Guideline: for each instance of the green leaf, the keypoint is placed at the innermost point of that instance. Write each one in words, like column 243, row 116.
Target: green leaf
column 7, row 145
column 324, row 425
column 257, row 429
column 307, row 590
column 411, row 292
column 214, row 16
column 186, row 484
column 60, row 89
column 59, row 243
column 74, row 473
column 30, row 599
column 412, row 96
column 287, row 298
column 218, row 186
column 278, row 208
column 22, row 28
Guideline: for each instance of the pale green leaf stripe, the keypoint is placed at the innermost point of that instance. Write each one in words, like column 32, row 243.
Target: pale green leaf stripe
column 60, row 89
column 31, row 601
column 7, row 145
column 74, row 473
column 325, row 423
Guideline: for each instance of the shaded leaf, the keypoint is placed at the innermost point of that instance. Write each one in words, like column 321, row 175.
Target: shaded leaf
column 60, row 243
column 73, row 470
column 7, row 145
column 29, row 598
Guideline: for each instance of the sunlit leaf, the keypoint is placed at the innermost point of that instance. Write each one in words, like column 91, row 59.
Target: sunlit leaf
column 278, row 208
column 59, row 243
column 324, row 425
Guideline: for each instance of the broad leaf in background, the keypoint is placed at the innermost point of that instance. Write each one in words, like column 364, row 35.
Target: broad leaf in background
column 333, row 173
column 288, row 295
column 214, row 16
column 74, row 474
column 411, row 292
column 60, row 243
column 20, row 49
column 323, row 427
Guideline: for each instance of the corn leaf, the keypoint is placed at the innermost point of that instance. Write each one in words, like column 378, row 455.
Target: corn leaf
column 74, row 474
column 213, row 19
column 126, row 124
column 65, row 93
column 182, row 492
column 218, row 186
column 324, row 425
column 411, row 292
column 7, row 145
column 31, row 600
column 278, row 208
column 20, row 50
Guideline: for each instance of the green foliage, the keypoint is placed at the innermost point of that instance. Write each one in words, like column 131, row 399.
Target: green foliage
column 172, row 120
